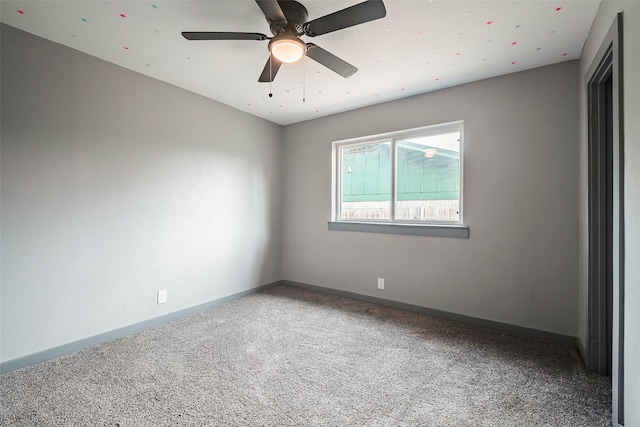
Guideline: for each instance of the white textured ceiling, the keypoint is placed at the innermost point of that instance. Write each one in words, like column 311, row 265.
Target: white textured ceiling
column 420, row 46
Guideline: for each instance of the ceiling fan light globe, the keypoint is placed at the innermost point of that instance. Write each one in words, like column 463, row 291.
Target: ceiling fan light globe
column 288, row 50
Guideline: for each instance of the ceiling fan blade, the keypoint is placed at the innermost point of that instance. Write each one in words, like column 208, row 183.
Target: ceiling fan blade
column 272, row 11
column 330, row 61
column 270, row 70
column 214, row 35
column 353, row 15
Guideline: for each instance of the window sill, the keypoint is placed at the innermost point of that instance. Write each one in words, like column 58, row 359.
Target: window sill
column 455, row 231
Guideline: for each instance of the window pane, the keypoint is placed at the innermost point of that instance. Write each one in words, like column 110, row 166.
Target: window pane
column 428, row 178
column 366, row 181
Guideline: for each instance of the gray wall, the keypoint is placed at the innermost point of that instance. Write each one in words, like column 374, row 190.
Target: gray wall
column 519, row 265
column 115, row 185
column 631, row 69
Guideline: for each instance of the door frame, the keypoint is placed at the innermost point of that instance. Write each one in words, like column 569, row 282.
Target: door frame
column 606, row 216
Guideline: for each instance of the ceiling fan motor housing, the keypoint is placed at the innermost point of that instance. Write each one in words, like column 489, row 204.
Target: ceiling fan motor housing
column 296, row 15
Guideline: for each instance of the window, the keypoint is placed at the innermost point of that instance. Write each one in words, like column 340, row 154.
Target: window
column 407, row 177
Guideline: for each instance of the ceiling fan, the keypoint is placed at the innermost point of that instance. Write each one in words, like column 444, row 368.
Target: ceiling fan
column 288, row 22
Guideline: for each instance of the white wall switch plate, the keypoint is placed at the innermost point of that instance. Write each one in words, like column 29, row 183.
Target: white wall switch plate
column 380, row 283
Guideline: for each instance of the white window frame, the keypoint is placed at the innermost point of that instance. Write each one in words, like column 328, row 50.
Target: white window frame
column 393, row 225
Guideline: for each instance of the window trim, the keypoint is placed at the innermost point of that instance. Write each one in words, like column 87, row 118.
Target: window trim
column 395, row 226
column 445, row 230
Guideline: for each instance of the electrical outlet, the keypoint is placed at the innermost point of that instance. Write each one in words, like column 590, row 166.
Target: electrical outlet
column 162, row 296
column 380, row 283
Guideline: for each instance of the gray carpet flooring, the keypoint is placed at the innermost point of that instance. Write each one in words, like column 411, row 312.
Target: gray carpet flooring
column 290, row 357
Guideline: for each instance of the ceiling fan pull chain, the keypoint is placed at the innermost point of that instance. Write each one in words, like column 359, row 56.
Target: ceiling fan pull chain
column 304, row 86
column 270, row 77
